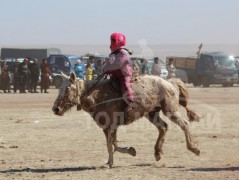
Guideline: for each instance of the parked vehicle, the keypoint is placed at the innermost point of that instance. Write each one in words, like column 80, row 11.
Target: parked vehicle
column 181, row 74
column 39, row 53
column 61, row 63
column 92, row 57
column 208, row 68
column 237, row 65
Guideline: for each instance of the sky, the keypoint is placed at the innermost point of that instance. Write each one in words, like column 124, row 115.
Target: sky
column 92, row 21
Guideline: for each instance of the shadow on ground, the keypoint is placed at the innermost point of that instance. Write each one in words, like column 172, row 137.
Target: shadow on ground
column 215, row 169
column 83, row 168
column 49, row 170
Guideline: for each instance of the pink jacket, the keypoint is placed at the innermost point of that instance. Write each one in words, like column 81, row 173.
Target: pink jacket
column 119, row 64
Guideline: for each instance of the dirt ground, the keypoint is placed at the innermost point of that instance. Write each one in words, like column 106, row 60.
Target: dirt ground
column 36, row 144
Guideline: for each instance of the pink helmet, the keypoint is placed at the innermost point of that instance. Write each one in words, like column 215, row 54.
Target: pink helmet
column 118, row 40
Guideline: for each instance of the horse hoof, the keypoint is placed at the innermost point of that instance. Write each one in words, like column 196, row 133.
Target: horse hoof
column 132, row 151
column 197, row 152
column 106, row 166
column 157, row 157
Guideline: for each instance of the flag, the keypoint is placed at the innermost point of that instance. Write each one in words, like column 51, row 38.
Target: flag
column 200, row 46
column 199, row 49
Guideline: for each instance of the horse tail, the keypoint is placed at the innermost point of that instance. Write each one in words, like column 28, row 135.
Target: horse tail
column 183, row 99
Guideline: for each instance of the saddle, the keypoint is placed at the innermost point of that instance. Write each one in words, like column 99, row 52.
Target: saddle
column 115, row 84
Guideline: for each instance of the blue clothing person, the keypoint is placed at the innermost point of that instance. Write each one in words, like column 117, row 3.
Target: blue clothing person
column 80, row 70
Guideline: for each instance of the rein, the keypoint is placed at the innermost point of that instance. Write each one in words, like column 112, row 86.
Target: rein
column 77, row 98
column 93, row 87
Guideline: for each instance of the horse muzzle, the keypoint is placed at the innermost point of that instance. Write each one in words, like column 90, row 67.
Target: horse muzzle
column 57, row 111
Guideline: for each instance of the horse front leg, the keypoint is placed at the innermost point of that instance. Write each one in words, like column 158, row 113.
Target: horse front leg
column 110, row 136
column 126, row 150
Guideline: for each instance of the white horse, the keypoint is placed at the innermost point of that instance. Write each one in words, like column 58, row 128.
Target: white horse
column 152, row 94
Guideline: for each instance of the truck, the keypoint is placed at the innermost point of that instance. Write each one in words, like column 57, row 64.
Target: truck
column 39, row 53
column 208, row 68
column 237, row 65
column 61, row 63
column 92, row 57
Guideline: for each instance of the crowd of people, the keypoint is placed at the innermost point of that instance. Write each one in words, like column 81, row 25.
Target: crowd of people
column 119, row 66
column 139, row 66
column 26, row 76
column 142, row 67
column 91, row 70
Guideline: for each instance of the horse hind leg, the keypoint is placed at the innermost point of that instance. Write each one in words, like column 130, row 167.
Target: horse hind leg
column 177, row 119
column 162, row 127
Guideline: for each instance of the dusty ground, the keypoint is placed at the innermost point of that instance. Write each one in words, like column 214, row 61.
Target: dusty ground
column 35, row 144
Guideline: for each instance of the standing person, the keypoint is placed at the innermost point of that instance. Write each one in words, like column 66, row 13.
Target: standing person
column 141, row 66
column 156, row 69
column 29, row 74
column 16, row 76
column 120, row 68
column 5, row 79
column 171, row 69
column 45, row 76
column 145, row 67
column 89, row 71
column 34, row 76
column 135, row 67
column 23, row 74
column 79, row 69
column 92, row 60
column 98, row 67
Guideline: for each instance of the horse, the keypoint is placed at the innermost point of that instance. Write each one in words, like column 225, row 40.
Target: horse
column 105, row 104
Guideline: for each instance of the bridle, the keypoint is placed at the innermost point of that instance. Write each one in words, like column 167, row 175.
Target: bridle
column 76, row 97
column 64, row 101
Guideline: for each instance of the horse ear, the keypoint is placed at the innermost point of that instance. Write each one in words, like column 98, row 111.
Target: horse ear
column 64, row 77
column 72, row 77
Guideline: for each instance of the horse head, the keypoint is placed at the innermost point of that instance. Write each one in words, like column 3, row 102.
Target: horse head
column 69, row 94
